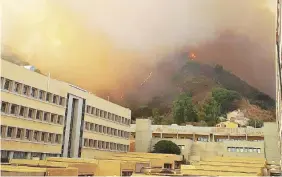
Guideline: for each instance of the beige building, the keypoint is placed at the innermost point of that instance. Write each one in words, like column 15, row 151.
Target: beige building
column 200, row 142
column 43, row 117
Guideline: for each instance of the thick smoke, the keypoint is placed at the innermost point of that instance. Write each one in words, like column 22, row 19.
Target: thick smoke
column 110, row 46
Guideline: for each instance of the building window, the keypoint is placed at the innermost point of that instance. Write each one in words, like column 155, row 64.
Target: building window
column 4, row 107
column 22, row 111
column 53, row 118
column 17, row 87
column 33, row 92
column 3, row 131
column 93, row 111
column 168, row 165
column 19, row 155
column 100, row 129
column 10, row 132
column 42, row 138
column 88, row 109
column 91, row 143
column 60, row 120
column 27, row 134
column 31, row 113
column 41, row 95
column 7, row 84
column 25, row 90
column 62, row 101
column 95, row 144
column 39, row 114
column 14, row 109
column 19, row 133
column 2, row 82
column 91, row 126
column 46, row 115
column 58, row 138
column 50, row 137
column 86, row 142
column 35, row 135
column 48, row 97
column 104, row 129
column 109, row 115
column 97, row 112
column 126, row 173
column 55, row 99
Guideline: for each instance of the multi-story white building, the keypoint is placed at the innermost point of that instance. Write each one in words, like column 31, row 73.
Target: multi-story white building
column 43, row 117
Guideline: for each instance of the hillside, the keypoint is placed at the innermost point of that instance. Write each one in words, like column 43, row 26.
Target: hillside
column 179, row 75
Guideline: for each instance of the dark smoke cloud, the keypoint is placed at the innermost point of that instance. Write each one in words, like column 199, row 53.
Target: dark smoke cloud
column 111, row 46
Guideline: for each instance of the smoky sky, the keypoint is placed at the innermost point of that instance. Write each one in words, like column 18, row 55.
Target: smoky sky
column 112, row 46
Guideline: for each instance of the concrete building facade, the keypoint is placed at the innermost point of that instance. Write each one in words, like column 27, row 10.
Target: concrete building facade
column 43, row 117
column 201, row 142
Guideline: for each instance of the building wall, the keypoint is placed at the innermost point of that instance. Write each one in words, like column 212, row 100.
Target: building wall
column 45, row 116
column 201, row 141
column 271, row 138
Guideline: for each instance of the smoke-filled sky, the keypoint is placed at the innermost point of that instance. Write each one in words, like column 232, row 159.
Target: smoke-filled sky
column 110, row 45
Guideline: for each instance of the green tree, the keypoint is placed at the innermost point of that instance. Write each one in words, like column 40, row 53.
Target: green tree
column 166, row 147
column 184, row 110
column 225, row 98
column 255, row 123
column 211, row 112
column 157, row 118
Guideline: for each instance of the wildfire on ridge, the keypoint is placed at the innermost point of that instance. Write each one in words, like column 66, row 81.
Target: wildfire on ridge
column 192, row 56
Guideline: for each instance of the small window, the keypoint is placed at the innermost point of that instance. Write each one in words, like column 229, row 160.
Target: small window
column 46, row 115
column 258, row 150
column 58, row 138
column 22, row 111
column 7, row 84
column 62, row 101
column 50, row 137
column 33, row 92
column 48, row 97
column 95, row 143
column 43, row 135
column 31, row 113
column 97, row 112
column 87, row 125
column 9, row 132
column 53, row 118
column 19, row 133
column 55, row 97
column 109, row 115
column 14, row 109
column 3, row 131
column 93, row 111
column 86, row 142
column 91, row 126
column 60, row 119
column 41, row 94
column 107, row 145
column 2, row 82
column 88, row 109
column 91, row 143
column 25, row 90
column 27, row 134
column 35, row 135
column 39, row 114
column 17, row 87
column 4, row 106
column 100, row 128
column 104, row 129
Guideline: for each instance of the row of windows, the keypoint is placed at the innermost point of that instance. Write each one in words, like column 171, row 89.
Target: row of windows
column 105, row 145
column 106, row 130
column 243, row 149
column 24, row 155
column 29, row 135
column 26, row 112
column 29, row 91
column 107, row 115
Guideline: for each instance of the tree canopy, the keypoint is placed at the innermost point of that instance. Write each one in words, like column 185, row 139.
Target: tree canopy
column 184, row 110
column 225, row 98
column 255, row 123
column 166, row 147
column 211, row 112
column 157, row 118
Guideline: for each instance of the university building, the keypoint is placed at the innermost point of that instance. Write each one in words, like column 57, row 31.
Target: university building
column 201, row 142
column 43, row 117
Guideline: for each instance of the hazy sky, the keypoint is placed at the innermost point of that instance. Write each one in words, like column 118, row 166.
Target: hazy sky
column 102, row 44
